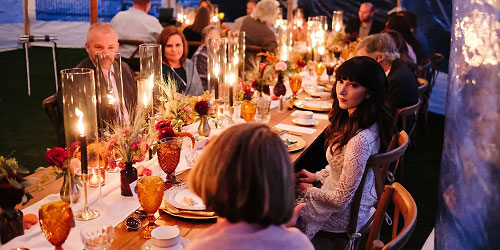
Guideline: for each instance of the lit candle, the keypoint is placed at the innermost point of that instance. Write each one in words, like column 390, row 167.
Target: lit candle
column 232, row 80
column 83, row 140
column 145, row 100
column 94, row 180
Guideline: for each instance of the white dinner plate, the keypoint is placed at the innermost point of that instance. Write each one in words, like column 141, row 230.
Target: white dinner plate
column 148, row 245
column 181, row 197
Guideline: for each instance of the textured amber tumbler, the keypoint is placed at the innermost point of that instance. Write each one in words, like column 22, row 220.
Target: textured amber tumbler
column 56, row 219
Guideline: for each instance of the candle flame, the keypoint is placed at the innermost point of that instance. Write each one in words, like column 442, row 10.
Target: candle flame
column 337, row 27
column 232, row 79
column 321, row 50
column 216, row 70
column 79, row 125
column 145, row 100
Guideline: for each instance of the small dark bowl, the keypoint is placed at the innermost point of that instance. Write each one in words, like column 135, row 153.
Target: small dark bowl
column 133, row 224
column 141, row 214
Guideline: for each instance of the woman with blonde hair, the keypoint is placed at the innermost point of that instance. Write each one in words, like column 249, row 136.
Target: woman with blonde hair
column 246, row 177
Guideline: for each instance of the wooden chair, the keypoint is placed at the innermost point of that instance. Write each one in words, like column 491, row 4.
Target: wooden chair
column 404, row 204
column 192, row 47
column 429, row 72
column 49, row 104
column 386, row 164
column 406, row 118
column 253, row 48
column 133, row 43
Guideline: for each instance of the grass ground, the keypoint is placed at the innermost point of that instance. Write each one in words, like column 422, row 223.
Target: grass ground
column 24, row 127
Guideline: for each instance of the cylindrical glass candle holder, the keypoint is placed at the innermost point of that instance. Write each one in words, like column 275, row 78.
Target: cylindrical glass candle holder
column 109, row 89
column 216, row 56
column 337, row 21
column 150, row 57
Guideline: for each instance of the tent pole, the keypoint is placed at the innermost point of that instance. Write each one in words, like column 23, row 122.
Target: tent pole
column 26, row 19
column 93, row 11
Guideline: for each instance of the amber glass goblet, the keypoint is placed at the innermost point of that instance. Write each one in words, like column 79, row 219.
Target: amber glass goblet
column 56, row 219
column 248, row 110
column 150, row 191
column 320, row 68
column 295, row 84
column 169, row 154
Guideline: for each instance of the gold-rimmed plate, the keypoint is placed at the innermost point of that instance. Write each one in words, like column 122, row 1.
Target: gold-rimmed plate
column 182, row 198
column 292, row 142
column 189, row 216
column 313, row 105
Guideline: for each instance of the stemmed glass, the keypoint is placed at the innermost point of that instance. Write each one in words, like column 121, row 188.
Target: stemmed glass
column 337, row 52
column 56, row 219
column 150, row 190
column 169, row 154
column 248, row 110
column 320, row 68
column 295, row 81
column 330, row 69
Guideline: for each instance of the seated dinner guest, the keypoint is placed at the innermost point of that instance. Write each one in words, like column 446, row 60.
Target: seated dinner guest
column 364, row 25
column 200, row 56
column 246, row 177
column 402, row 90
column 250, row 6
column 176, row 66
column 102, row 39
column 256, row 28
column 201, row 20
column 136, row 24
column 358, row 129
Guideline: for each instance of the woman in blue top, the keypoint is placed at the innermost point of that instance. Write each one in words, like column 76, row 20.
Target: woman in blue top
column 175, row 62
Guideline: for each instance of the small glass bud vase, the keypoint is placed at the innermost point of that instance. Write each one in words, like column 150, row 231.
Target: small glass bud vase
column 127, row 176
column 204, row 127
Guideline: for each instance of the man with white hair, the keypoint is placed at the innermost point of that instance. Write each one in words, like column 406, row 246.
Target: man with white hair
column 256, row 28
column 402, row 89
column 102, row 40
column 364, row 25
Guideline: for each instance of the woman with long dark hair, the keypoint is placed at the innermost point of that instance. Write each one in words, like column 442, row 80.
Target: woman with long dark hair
column 201, row 20
column 359, row 128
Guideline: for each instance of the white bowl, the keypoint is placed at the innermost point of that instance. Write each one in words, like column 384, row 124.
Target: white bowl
column 165, row 236
column 304, row 115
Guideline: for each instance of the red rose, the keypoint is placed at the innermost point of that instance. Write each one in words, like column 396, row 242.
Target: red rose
column 56, row 156
column 75, row 147
column 255, row 84
column 161, row 124
column 165, row 133
column 147, row 172
column 201, row 107
column 301, row 63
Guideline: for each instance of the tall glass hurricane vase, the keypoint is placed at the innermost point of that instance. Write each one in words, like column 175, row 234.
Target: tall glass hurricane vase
column 109, row 89
column 150, row 57
column 80, row 124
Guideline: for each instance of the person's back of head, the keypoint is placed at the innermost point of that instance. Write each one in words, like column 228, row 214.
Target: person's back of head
column 245, row 175
column 411, row 18
column 266, row 11
column 401, row 25
column 205, row 3
column 380, row 47
column 201, row 19
column 144, row 5
column 399, row 40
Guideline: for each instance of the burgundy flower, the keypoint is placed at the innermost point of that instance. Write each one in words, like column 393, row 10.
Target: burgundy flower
column 266, row 90
column 75, row 147
column 165, row 133
column 301, row 63
column 255, row 84
column 135, row 145
column 161, row 124
column 56, row 156
column 248, row 94
column 201, row 107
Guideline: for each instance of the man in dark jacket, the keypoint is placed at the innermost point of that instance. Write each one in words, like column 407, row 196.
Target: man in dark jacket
column 364, row 25
column 116, row 93
column 402, row 89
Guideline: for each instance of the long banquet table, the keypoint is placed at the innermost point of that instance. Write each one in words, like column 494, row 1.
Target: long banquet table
column 131, row 240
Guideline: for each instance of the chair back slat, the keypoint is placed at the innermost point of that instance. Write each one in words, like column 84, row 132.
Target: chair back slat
column 404, row 204
column 403, row 115
column 133, row 43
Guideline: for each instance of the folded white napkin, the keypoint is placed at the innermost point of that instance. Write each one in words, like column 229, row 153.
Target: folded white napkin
column 295, row 128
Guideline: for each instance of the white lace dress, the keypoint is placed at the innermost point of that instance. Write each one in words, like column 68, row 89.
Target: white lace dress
column 328, row 208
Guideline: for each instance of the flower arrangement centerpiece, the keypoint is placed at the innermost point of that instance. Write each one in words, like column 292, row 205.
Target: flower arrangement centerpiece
column 202, row 108
column 128, row 143
column 248, row 107
column 12, row 191
column 64, row 165
column 169, row 149
column 176, row 107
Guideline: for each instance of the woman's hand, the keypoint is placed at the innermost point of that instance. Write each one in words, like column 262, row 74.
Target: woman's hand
column 300, row 187
column 296, row 212
column 305, row 176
